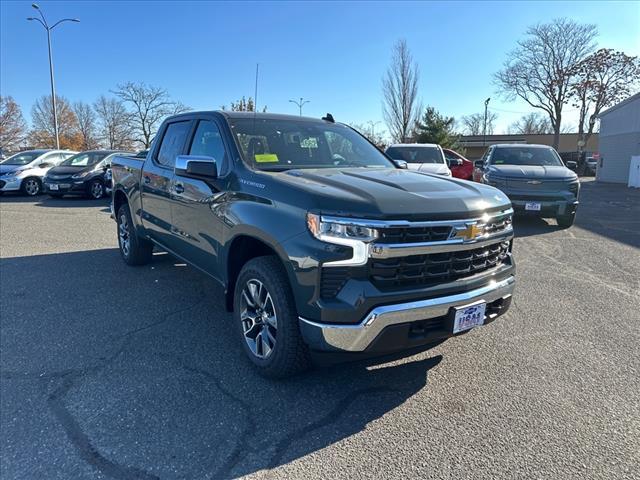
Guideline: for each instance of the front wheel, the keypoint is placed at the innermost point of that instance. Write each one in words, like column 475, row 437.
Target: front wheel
column 96, row 190
column 31, row 186
column 565, row 221
column 133, row 249
column 266, row 319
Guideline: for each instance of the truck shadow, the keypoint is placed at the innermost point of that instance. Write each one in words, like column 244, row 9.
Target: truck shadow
column 47, row 201
column 146, row 377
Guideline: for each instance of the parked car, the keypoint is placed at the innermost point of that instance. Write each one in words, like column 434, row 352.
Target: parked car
column 321, row 243
column 425, row 157
column 534, row 178
column 592, row 164
column 460, row 167
column 24, row 171
column 82, row 174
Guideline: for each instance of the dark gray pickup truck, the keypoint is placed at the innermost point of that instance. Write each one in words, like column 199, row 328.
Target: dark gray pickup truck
column 322, row 243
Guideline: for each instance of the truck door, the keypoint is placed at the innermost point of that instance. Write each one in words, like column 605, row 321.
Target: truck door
column 157, row 180
column 196, row 202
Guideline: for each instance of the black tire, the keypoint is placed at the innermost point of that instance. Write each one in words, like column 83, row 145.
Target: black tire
column 31, row 186
column 96, row 190
column 133, row 249
column 289, row 354
column 565, row 221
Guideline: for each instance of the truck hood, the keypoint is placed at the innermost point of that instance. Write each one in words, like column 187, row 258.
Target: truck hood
column 435, row 168
column 389, row 193
column 532, row 171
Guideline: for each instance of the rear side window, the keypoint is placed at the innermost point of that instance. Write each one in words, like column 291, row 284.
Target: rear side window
column 172, row 143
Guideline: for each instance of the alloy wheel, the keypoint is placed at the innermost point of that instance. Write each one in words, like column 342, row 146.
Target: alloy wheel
column 32, row 187
column 96, row 190
column 259, row 319
column 124, row 235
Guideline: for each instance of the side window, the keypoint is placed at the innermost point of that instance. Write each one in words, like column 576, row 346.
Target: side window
column 53, row 158
column 207, row 141
column 172, row 143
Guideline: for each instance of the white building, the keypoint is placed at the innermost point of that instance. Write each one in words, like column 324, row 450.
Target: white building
column 619, row 140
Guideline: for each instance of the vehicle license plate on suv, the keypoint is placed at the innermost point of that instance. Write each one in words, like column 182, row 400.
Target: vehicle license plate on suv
column 468, row 317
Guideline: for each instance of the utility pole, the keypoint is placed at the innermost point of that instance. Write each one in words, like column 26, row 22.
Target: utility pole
column 46, row 26
column 372, row 127
column 300, row 104
column 484, row 129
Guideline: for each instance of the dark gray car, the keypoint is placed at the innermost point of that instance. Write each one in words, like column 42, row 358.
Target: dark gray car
column 534, row 178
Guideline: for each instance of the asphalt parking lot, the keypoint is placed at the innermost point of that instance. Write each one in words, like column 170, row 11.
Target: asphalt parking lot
column 115, row 372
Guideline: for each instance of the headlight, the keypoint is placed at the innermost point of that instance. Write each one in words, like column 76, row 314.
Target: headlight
column 81, row 174
column 332, row 227
column 346, row 232
column 574, row 188
column 493, row 180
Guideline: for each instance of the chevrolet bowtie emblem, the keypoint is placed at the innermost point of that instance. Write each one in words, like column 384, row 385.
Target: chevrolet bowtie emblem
column 470, row 232
column 534, row 182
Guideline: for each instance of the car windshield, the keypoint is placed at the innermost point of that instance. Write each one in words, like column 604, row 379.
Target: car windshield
column 536, row 156
column 84, row 159
column 275, row 144
column 23, row 158
column 421, row 154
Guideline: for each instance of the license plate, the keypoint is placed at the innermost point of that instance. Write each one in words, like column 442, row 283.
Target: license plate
column 53, row 186
column 468, row 317
column 535, row 206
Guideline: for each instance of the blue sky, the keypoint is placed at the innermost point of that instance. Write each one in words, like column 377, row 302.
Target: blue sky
column 332, row 53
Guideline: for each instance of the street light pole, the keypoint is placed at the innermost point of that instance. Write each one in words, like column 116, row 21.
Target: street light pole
column 484, row 129
column 300, row 104
column 372, row 127
column 46, row 26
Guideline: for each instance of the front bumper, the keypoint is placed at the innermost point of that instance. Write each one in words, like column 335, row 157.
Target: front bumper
column 67, row 187
column 551, row 208
column 404, row 325
column 10, row 186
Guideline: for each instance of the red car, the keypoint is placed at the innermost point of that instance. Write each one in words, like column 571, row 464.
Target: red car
column 460, row 166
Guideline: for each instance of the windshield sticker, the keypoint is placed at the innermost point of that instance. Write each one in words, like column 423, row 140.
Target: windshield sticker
column 266, row 158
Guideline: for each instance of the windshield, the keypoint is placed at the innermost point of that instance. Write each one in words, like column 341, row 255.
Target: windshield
column 416, row 154
column 274, row 144
column 84, row 159
column 23, row 158
column 543, row 157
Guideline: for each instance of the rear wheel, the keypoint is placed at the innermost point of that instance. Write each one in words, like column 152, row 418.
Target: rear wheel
column 133, row 249
column 565, row 221
column 31, row 186
column 266, row 319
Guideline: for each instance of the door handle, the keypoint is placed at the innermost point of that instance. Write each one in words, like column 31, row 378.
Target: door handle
column 147, row 179
column 178, row 188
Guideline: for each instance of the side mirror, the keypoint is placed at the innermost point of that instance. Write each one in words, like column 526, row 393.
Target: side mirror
column 401, row 164
column 479, row 164
column 454, row 162
column 196, row 166
column 571, row 165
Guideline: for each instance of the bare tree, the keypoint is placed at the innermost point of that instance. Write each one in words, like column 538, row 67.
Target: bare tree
column 377, row 138
column 541, row 68
column 400, row 93
column 601, row 80
column 531, row 123
column 149, row 105
column 13, row 128
column 114, row 124
column 43, row 131
column 86, row 124
column 474, row 124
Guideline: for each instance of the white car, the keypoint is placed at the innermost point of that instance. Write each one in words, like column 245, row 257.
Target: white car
column 424, row 157
column 24, row 171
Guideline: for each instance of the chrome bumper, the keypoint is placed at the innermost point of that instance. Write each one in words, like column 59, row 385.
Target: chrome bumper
column 356, row 338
